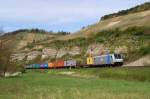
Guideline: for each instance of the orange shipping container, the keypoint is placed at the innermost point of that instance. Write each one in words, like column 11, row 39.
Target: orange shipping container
column 50, row 65
column 59, row 63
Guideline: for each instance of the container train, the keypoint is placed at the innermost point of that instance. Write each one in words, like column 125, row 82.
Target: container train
column 102, row 60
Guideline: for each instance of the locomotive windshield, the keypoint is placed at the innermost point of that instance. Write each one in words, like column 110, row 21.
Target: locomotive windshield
column 117, row 56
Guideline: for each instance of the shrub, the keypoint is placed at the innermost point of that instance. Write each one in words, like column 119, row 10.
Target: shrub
column 144, row 50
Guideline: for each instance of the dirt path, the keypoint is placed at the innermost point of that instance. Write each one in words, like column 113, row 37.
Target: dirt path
column 144, row 61
column 112, row 24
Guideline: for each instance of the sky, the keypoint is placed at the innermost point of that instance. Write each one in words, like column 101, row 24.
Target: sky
column 57, row 15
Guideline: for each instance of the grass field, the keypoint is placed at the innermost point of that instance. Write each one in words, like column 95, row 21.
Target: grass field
column 87, row 83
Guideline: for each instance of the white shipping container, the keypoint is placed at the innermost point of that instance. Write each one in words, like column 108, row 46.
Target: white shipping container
column 70, row 63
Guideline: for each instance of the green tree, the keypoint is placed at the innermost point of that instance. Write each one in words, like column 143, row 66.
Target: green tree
column 6, row 63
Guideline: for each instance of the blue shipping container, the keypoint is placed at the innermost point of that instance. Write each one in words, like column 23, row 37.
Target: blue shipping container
column 44, row 65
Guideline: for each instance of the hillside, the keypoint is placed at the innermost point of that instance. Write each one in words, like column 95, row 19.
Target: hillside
column 139, row 8
column 127, row 34
column 121, row 22
column 23, row 38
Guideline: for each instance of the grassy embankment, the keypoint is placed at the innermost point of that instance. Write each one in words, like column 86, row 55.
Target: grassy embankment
column 88, row 83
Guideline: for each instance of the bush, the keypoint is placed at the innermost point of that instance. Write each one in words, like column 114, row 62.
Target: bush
column 144, row 50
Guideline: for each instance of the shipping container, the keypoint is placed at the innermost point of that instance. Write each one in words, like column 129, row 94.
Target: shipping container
column 36, row 65
column 70, row 63
column 41, row 65
column 99, row 60
column 50, row 65
column 89, row 60
column 102, row 60
column 45, row 65
column 59, row 63
column 29, row 66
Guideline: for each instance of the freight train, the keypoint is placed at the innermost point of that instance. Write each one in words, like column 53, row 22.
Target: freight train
column 98, row 61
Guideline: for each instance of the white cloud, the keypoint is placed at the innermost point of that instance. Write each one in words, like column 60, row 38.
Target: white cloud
column 58, row 11
column 48, row 10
